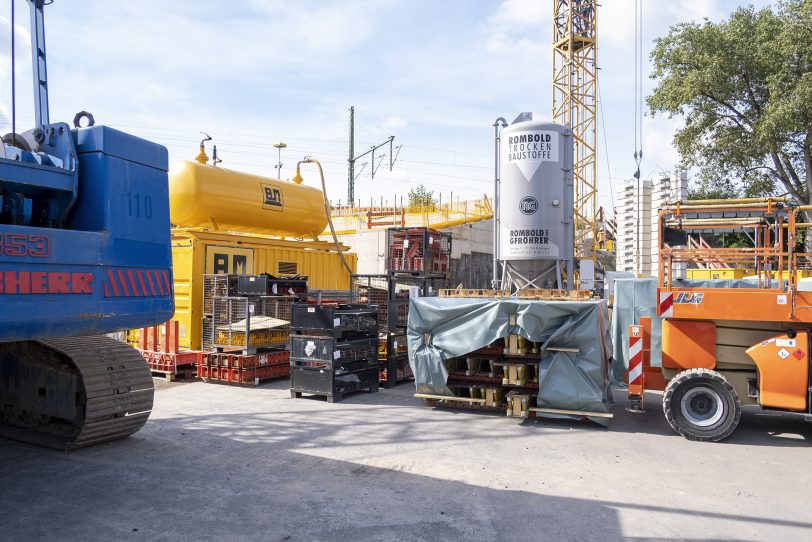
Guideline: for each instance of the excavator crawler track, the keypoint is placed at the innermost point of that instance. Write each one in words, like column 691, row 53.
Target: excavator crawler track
column 72, row 392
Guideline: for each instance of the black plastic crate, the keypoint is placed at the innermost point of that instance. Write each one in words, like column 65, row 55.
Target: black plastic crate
column 329, row 349
column 269, row 285
column 333, row 297
column 340, row 321
column 418, row 251
column 252, row 285
column 331, row 384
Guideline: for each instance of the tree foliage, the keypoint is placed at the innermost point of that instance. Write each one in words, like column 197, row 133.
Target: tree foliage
column 744, row 86
column 421, row 197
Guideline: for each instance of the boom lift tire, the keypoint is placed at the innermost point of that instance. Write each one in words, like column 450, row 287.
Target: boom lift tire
column 700, row 404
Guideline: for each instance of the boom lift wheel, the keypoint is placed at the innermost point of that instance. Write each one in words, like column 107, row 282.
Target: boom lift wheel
column 700, row 404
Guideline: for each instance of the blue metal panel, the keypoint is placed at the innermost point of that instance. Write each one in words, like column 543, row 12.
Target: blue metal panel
column 37, row 176
column 121, row 145
column 110, row 268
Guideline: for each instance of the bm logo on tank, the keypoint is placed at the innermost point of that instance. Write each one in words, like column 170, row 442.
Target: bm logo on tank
column 271, row 197
column 528, row 205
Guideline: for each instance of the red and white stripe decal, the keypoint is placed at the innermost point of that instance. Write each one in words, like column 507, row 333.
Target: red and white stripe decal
column 137, row 283
column 666, row 304
column 636, row 357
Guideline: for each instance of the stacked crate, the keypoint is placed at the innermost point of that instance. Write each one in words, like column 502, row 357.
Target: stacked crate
column 418, row 251
column 239, row 369
column 374, row 290
column 334, row 349
column 246, row 327
column 418, row 265
column 225, row 286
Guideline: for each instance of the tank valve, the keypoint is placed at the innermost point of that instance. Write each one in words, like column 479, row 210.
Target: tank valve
column 201, row 156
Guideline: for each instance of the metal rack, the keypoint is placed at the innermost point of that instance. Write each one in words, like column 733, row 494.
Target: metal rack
column 402, row 288
column 219, row 286
column 391, row 293
column 418, row 251
column 251, row 323
column 373, row 290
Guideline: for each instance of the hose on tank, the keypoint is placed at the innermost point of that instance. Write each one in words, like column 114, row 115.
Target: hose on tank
column 298, row 179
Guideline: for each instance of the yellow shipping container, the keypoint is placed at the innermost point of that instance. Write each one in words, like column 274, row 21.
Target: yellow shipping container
column 195, row 253
column 729, row 273
column 799, row 274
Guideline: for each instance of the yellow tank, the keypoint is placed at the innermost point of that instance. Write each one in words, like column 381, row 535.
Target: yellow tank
column 204, row 196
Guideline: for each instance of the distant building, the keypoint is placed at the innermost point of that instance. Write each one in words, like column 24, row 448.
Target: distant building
column 637, row 202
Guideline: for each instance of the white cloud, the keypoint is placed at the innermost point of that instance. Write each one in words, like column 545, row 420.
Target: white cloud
column 522, row 12
column 396, row 122
column 658, row 148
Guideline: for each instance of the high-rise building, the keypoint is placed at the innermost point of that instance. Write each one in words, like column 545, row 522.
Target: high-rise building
column 637, row 202
column 666, row 189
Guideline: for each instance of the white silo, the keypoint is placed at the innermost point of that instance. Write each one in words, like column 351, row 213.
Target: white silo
column 535, row 204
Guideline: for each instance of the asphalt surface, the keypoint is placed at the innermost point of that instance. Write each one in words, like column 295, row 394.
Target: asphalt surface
column 223, row 463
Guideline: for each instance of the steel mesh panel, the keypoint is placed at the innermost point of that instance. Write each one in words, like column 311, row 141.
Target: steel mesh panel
column 241, row 322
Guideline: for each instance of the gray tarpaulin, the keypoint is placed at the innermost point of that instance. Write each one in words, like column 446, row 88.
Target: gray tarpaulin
column 443, row 328
column 638, row 297
column 633, row 298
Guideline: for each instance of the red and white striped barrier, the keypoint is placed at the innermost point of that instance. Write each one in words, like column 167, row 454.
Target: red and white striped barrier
column 635, row 356
column 666, row 304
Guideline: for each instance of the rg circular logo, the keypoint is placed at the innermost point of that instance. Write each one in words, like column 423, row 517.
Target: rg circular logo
column 528, row 205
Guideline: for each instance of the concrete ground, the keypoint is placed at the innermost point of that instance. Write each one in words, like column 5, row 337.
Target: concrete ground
column 223, row 463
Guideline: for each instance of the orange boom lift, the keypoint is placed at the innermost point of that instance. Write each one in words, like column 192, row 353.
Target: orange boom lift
column 727, row 347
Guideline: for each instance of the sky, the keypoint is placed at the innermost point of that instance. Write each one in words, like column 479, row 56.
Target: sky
column 434, row 74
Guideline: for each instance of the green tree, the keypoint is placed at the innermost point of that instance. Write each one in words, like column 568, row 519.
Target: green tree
column 744, row 87
column 421, row 197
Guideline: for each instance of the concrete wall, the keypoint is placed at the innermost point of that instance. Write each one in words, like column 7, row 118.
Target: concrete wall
column 471, row 253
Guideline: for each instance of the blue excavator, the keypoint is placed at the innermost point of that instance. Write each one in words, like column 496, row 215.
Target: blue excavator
column 84, row 252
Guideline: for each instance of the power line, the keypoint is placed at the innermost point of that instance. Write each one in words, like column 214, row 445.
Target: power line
column 606, row 147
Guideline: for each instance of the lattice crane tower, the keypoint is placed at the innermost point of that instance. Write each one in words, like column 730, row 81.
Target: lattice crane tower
column 575, row 80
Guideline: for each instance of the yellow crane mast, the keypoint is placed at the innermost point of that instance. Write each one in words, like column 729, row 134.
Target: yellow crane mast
column 575, row 80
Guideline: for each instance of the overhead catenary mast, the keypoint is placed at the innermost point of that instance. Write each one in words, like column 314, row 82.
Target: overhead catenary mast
column 352, row 158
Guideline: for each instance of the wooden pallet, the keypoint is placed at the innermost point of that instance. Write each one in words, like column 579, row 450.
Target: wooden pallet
column 181, row 373
column 529, row 293
column 582, row 413
column 539, row 293
column 468, row 403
